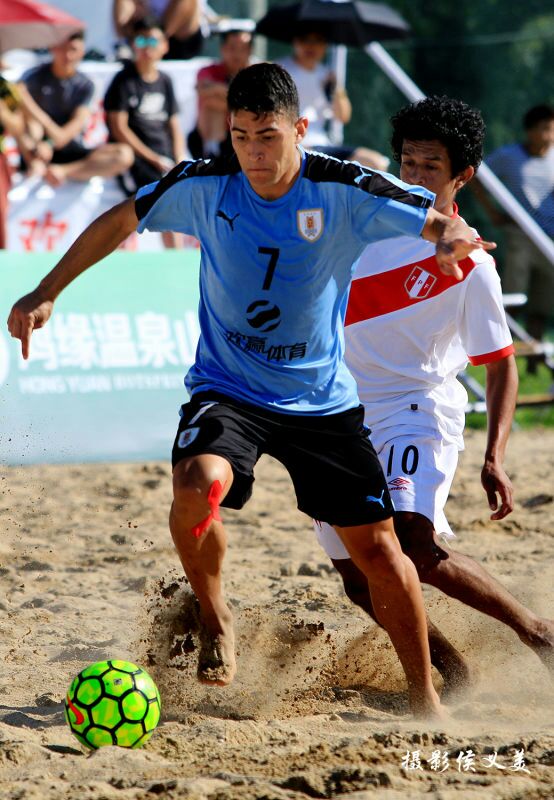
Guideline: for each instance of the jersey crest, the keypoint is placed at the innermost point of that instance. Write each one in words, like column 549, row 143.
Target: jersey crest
column 419, row 283
column 310, row 223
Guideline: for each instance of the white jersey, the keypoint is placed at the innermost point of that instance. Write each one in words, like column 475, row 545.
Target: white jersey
column 410, row 330
column 312, row 98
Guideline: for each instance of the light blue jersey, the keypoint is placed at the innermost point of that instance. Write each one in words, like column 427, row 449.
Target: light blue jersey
column 275, row 275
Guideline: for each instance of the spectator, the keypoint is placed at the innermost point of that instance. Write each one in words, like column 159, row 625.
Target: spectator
column 55, row 98
column 527, row 170
column 321, row 100
column 211, row 136
column 181, row 21
column 12, row 123
column 142, row 112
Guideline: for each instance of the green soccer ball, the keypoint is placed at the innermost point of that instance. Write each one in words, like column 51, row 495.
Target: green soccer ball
column 112, row 703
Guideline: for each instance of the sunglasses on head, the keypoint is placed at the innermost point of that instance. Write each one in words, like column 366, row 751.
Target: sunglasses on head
column 146, row 41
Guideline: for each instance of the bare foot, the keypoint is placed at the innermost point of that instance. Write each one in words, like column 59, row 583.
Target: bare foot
column 216, row 660
column 55, row 175
column 429, row 709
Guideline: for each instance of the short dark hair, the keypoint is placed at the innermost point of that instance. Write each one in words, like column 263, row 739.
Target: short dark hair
column 542, row 113
column 264, row 89
column 76, row 35
column 456, row 125
column 304, row 29
column 147, row 23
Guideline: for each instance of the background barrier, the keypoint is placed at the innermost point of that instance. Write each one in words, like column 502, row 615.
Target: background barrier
column 104, row 381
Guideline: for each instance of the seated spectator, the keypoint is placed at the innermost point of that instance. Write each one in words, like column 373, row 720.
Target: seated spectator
column 181, row 21
column 141, row 112
column 55, row 98
column 526, row 168
column 12, row 123
column 321, row 100
column 211, row 136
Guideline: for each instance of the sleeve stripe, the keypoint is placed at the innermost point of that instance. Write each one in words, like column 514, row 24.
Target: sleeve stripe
column 186, row 169
column 496, row 355
column 321, row 168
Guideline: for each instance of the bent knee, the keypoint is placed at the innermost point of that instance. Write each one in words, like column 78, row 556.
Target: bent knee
column 379, row 560
column 419, row 542
column 125, row 155
column 193, row 478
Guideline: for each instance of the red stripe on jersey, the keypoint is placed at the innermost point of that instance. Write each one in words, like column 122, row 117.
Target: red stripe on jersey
column 488, row 358
column 399, row 288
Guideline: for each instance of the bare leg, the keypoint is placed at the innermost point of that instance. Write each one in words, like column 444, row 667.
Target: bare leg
column 106, row 161
column 462, row 578
column 398, row 603
column 202, row 560
column 444, row 657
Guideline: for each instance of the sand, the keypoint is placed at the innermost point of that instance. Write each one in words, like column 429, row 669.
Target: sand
column 318, row 708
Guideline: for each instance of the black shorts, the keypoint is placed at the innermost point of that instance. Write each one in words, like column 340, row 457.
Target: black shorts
column 335, row 471
column 74, row 151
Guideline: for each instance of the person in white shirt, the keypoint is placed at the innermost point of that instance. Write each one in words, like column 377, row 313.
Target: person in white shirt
column 321, row 100
column 409, row 331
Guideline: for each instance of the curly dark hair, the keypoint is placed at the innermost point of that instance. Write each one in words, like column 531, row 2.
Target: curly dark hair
column 456, row 125
column 264, row 89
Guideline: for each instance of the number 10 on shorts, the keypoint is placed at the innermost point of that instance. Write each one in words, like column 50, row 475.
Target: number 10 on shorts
column 409, row 459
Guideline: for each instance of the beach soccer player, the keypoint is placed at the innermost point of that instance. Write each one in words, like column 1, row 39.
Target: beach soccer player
column 408, row 332
column 280, row 229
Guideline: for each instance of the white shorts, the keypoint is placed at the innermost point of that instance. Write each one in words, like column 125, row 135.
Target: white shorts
column 419, row 470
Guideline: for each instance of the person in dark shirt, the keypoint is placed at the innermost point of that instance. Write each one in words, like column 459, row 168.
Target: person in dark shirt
column 142, row 112
column 55, row 98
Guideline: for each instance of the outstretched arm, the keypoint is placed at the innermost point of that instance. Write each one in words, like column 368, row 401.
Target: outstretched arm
column 97, row 241
column 502, row 385
column 455, row 240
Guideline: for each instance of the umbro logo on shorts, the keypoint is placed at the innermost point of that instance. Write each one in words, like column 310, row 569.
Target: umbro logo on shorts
column 400, row 484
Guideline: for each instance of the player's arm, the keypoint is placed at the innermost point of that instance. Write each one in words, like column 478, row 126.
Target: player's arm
column 501, row 390
column 454, row 239
column 101, row 238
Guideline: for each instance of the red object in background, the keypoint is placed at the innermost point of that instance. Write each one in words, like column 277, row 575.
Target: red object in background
column 31, row 25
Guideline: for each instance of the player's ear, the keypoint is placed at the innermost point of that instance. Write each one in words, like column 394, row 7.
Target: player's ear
column 463, row 177
column 301, row 126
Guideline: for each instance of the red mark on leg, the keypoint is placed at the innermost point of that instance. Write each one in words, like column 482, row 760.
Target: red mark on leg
column 214, row 498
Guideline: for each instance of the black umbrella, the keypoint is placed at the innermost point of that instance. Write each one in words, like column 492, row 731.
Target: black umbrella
column 350, row 22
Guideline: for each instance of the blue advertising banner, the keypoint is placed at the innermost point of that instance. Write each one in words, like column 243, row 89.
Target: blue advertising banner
column 104, row 380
